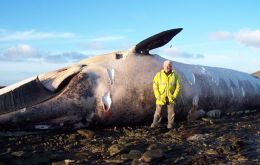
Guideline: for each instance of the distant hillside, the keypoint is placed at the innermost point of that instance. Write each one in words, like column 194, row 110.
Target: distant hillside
column 256, row 74
column 1, row 87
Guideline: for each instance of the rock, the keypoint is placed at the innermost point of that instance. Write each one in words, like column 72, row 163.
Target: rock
column 72, row 137
column 239, row 112
column 86, row 133
column 21, row 154
column 152, row 146
column 237, row 144
column 112, row 161
column 197, row 137
column 195, row 114
column 3, row 152
column 214, row 113
column 247, row 111
column 207, row 120
column 81, row 156
column 116, row 149
column 68, row 161
column 232, row 113
column 133, row 154
column 152, row 156
column 212, row 152
column 138, row 162
column 56, row 156
column 163, row 147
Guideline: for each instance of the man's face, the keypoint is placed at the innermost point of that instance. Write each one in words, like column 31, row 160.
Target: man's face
column 167, row 68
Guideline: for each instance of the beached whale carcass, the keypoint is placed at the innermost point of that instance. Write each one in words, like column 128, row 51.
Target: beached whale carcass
column 116, row 89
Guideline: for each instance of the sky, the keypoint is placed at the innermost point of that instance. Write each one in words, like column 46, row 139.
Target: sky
column 40, row 36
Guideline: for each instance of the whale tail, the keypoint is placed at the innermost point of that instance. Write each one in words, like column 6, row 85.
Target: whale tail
column 156, row 41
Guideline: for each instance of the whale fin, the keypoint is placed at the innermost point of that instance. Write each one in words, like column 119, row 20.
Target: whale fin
column 156, row 41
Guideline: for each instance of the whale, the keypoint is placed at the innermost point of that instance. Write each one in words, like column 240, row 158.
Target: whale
column 115, row 89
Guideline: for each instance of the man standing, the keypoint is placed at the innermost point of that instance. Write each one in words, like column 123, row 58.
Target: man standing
column 166, row 88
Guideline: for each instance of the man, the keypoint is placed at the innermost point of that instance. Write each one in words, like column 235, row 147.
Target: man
column 166, row 88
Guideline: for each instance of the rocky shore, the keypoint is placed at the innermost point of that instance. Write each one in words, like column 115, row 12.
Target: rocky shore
column 229, row 140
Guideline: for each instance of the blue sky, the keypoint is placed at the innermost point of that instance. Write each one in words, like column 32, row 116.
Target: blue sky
column 39, row 36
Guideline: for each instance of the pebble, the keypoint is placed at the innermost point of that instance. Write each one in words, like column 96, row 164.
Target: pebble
column 116, row 149
column 17, row 153
column 197, row 137
column 134, row 154
column 152, row 155
column 86, row 133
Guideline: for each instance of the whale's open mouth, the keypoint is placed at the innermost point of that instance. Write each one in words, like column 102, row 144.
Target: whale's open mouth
column 106, row 101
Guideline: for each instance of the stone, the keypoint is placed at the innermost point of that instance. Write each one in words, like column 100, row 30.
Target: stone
column 247, row 111
column 18, row 153
column 216, row 113
column 114, row 161
column 212, row 152
column 197, row 137
column 86, row 133
column 152, row 146
column 152, row 155
column 72, row 137
column 138, row 162
column 207, row 120
column 68, row 161
column 81, row 155
column 195, row 114
column 239, row 112
column 116, row 149
column 134, row 154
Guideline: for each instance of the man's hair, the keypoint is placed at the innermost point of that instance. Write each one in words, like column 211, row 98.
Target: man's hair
column 167, row 62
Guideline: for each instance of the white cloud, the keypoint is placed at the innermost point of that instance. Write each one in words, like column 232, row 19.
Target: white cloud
column 108, row 38
column 26, row 53
column 220, row 35
column 20, row 52
column 177, row 53
column 246, row 37
column 249, row 37
column 6, row 35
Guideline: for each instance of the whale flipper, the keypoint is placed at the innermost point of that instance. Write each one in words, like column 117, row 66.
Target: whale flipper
column 35, row 90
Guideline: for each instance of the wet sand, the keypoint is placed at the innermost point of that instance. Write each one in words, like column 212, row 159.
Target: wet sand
column 229, row 140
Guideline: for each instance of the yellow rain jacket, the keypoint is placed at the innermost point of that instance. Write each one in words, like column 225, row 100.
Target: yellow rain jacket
column 166, row 86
